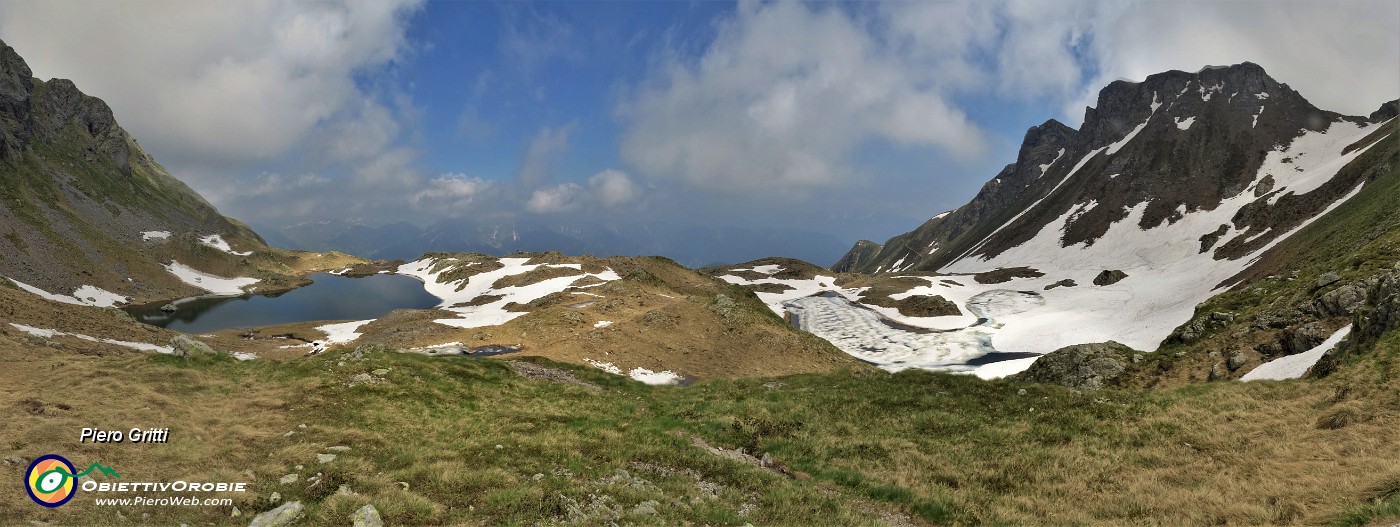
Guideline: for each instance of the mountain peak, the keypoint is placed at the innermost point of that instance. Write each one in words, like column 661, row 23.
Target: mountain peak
column 1174, row 143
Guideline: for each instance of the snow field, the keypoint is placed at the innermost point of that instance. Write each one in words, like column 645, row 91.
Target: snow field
column 217, row 285
column 458, row 292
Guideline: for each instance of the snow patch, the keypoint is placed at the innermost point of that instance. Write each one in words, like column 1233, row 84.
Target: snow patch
column 1294, row 366
column 1185, row 124
column 1006, row 368
column 769, row 270
column 83, row 296
column 602, row 323
column 800, row 288
column 50, row 333
column 96, row 296
column 1046, row 167
column 1207, row 92
column 1115, row 147
column 456, row 293
column 154, row 235
column 654, row 377
column 605, row 366
column 342, row 333
column 217, row 242
column 217, row 285
column 1314, row 158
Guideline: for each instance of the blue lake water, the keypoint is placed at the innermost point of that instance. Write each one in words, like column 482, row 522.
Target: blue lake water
column 330, row 297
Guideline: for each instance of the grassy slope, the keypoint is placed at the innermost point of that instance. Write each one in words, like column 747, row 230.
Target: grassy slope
column 942, row 448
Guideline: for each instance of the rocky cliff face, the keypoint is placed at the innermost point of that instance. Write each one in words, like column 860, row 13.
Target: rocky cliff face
column 1173, row 144
column 79, row 193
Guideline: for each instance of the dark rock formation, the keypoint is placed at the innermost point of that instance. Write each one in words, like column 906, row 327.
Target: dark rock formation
column 1084, row 367
column 1109, row 277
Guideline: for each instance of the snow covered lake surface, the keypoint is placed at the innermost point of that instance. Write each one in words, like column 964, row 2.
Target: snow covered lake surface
column 885, row 338
column 330, row 297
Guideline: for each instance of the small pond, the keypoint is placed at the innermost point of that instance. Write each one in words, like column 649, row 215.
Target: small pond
column 330, row 297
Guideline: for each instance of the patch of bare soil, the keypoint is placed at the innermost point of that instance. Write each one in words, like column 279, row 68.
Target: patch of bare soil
column 539, row 372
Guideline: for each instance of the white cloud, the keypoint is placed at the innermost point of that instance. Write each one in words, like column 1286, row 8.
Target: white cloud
column 554, row 199
column 1340, row 56
column 530, row 39
column 452, row 195
column 780, row 100
column 609, row 189
column 203, row 82
column 612, row 187
column 544, row 148
column 786, row 92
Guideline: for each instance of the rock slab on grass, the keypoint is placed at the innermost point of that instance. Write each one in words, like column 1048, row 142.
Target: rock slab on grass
column 186, row 346
column 285, row 515
column 1083, row 367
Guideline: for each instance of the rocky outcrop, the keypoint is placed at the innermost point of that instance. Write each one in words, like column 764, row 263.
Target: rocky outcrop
column 1376, row 315
column 1083, row 367
column 1109, row 277
column 1386, row 112
column 15, row 86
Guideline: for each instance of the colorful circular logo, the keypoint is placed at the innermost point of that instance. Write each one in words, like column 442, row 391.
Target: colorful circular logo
column 50, row 480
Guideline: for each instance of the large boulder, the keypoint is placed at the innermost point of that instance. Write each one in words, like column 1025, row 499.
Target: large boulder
column 1109, row 277
column 187, row 346
column 1083, row 367
column 1345, row 299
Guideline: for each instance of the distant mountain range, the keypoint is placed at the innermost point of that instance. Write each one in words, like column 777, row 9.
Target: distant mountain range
column 690, row 245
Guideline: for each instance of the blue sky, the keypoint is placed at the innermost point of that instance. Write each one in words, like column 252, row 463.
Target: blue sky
column 852, row 120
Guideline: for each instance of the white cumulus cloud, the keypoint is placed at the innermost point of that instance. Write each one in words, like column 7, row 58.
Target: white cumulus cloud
column 781, row 98
column 206, row 82
column 609, row 189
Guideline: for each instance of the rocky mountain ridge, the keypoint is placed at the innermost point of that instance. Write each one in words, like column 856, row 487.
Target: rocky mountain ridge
column 1177, row 142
